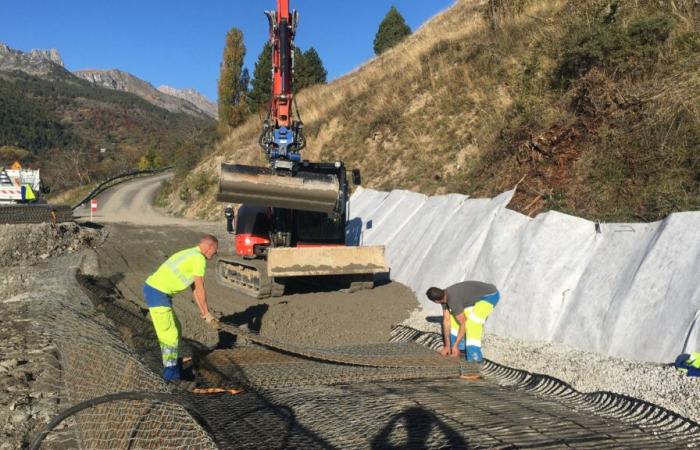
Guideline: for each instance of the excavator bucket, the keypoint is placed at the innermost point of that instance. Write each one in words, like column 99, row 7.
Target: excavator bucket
column 313, row 261
column 259, row 186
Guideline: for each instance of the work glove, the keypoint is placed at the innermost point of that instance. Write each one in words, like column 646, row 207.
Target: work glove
column 211, row 320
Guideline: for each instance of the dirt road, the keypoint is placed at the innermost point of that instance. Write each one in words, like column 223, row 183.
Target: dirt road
column 132, row 202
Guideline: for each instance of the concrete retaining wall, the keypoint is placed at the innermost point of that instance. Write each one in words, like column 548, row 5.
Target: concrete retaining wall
column 627, row 290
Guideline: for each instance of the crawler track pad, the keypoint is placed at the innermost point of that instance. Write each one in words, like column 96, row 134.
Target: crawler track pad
column 259, row 186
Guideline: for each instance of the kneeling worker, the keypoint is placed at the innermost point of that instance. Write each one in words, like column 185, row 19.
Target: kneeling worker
column 182, row 270
column 465, row 307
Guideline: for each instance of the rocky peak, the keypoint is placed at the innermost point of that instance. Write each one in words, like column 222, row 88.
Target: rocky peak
column 122, row 81
column 114, row 79
column 50, row 55
column 193, row 97
column 34, row 62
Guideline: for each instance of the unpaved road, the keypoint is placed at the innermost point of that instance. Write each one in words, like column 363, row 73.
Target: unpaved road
column 132, row 202
column 140, row 238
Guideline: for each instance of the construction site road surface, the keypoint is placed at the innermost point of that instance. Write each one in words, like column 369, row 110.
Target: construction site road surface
column 132, row 202
column 437, row 413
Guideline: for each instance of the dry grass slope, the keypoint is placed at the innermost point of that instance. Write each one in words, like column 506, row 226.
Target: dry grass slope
column 592, row 106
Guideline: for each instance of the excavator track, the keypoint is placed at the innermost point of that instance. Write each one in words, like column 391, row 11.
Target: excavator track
column 248, row 276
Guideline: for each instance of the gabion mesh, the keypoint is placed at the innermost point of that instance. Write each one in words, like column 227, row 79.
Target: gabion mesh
column 86, row 358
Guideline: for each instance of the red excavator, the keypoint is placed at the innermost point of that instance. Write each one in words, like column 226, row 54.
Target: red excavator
column 293, row 213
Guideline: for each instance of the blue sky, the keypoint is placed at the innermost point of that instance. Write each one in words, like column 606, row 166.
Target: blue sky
column 180, row 43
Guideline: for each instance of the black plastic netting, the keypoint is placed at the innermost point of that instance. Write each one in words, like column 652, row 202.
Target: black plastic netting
column 395, row 395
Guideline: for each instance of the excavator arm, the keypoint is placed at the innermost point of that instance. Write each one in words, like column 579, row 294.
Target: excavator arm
column 282, row 140
column 298, row 209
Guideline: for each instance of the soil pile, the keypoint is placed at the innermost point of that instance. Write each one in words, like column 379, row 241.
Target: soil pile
column 29, row 244
column 307, row 314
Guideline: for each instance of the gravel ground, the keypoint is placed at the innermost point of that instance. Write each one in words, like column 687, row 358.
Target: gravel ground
column 130, row 254
column 30, row 244
column 589, row 372
column 27, row 397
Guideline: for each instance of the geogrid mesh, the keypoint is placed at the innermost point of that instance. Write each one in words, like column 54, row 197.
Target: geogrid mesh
column 664, row 424
column 265, row 368
column 292, row 401
column 89, row 360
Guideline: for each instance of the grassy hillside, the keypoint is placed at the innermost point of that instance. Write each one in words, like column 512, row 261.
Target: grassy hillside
column 591, row 107
column 64, row 122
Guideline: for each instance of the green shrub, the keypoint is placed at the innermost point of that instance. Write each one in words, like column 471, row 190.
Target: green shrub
column 689, row 42
column 161, row 200
column 612, row 46
column 202, row 182
column 185, row 194
column 649, row 31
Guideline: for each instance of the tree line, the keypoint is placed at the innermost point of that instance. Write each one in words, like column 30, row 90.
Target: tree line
column 240, row 95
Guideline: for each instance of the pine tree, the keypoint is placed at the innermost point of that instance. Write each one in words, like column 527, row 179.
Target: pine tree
column 262, row 79
column 391, row 31
column 299, row 82
column 310, row 70
column 232, row 111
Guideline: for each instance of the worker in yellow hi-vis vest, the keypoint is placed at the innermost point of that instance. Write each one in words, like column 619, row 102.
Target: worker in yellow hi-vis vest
column 182, row 270
column 465, row 308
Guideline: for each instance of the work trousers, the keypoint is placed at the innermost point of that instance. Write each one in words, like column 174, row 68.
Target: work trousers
column 168, row 330
column 475, row 318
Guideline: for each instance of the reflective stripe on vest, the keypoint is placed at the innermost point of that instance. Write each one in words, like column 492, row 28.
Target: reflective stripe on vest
column 476, row 319
column 474, row 342
column 173, row 266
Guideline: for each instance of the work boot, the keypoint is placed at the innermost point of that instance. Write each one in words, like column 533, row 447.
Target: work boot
column 171, row 373
column 474, row 354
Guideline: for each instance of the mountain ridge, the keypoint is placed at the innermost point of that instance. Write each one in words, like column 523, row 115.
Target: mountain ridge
column 193, row 96
column 49, row 64
column 33, row 62
column 78, row 132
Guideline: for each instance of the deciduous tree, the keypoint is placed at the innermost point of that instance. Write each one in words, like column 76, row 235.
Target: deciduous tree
column 232, row 110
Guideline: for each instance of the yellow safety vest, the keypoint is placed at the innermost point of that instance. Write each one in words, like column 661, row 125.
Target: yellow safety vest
column 29, row 193
column 177, row 273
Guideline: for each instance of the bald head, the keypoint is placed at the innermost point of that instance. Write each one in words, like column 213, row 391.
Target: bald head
column 208, row 245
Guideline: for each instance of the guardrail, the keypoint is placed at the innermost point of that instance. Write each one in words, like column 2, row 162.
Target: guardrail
column 116, row 180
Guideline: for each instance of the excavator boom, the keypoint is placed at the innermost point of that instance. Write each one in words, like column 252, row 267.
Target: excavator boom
column 293, row 218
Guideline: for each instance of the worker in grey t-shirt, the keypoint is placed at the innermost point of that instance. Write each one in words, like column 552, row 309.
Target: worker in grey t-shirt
column 465, row 307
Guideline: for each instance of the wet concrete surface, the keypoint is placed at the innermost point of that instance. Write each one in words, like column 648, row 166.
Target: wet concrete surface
column 309, row 315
